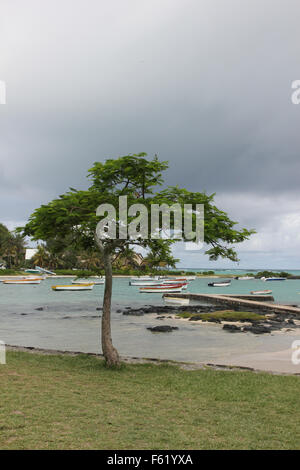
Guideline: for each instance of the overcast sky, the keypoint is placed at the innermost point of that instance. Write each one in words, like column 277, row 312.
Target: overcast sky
column 205, row 84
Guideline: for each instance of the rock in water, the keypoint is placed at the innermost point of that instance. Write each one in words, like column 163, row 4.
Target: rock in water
column 258, row 329
column 162, row 328
column 231, row 328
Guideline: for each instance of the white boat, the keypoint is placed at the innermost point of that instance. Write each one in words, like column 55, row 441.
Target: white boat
column 145, row 278
column 89, row 281
column 261, row 292
column 245, row 278
column 177, row 300
column 174, row 281
column 188, row 278
column 145, row 283
column 162, row 288
column 72, row 287
column 22, row 282
column 273, row 278
column 45, row 271
column 220, row 284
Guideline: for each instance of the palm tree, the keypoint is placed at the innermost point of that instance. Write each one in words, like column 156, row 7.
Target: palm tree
column 41, row 257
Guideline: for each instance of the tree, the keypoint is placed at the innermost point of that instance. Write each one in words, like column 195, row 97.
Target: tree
column 12, row 247
column 73, row 215
column 41, row 257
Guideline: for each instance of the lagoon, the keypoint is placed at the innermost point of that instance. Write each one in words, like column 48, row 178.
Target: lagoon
column 70, row 321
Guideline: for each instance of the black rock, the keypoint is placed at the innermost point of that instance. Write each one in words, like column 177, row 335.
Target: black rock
column 137, row 313
column 231, row 328
column 162, row 328
column 119, row 311
column 99, row 308
column 258, row 329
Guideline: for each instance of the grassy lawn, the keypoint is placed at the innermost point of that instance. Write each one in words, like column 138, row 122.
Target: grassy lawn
column 64, row 402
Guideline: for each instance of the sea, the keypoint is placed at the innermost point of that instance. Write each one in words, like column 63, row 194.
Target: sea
column 37, row 316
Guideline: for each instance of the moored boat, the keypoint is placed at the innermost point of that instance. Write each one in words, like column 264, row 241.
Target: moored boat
column 90, row 281
column 145, row 283
column 177, row 300
column 261, row 292
column 162, row 288
column 245, row 278
column 145, row 278
column 273, row 278
column 22, row 282
column 72, row 287
column 220, row 283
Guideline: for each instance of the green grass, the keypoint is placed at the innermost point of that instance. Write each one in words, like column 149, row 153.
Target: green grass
column 223, row 315
column 64, row 402
column 11, row 272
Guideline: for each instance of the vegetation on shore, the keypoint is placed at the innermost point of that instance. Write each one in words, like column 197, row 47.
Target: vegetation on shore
column 65, row 402
column 223, row 315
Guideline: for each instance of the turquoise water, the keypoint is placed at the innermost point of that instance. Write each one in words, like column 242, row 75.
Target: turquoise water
column 70, row 321
column 240, row 272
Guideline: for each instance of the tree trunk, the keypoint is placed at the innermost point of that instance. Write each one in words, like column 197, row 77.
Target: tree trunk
column 110, row 353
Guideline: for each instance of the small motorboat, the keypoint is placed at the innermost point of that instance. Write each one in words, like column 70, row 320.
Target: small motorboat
column 32, row 271
column 162, row 288
column 72, row 287
column 177, row 300
column 261, row 292
column 45, row 271
column 22, row 282
column 220, row 283
column 145, row 283
column 273, row 278
column 174, row 281
column 90, row 281
column 245, row 278
column 145, row 278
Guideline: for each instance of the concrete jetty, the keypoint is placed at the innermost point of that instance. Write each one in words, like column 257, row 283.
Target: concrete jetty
column 257, row 303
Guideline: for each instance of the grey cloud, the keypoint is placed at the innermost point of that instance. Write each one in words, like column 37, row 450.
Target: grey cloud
column 206, row 85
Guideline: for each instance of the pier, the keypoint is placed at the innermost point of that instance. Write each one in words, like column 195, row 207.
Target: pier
column 256, row 303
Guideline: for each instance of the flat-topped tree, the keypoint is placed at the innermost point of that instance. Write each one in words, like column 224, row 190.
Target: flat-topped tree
column 73, row 215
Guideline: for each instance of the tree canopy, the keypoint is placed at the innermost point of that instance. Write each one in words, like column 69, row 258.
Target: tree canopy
column 73, row 215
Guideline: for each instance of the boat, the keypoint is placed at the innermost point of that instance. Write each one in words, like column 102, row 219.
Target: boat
column 90, row 281
column 188, row 278
column 245, row 278
column 174, row 280
column 261, row 292
column 162, row 288
column 145, row 278
column 220, row 283
column 23, row 282
column 145, row 283
column 177, row 300
column 45, row 271
column 273, row 278
column 77, row 287
column 158, row 283
column 32, row 271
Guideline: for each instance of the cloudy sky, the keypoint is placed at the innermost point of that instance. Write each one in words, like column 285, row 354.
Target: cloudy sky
column 205, row 84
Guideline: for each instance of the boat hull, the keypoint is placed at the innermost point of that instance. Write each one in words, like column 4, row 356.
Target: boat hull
column 219, row 284
column 176, row 300
column 261, row 292
column 162, row 289
column 74, row 288
column 23, row 282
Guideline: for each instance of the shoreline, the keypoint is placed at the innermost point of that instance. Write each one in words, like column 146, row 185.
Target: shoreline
column 226, row 366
